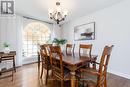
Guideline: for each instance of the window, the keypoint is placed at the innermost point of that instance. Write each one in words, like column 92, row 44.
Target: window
column 34, row 33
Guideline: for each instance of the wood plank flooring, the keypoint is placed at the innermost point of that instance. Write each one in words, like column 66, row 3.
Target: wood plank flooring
column 27, row 76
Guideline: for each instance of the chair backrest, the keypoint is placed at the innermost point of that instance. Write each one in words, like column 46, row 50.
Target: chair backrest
column 57, row 66
column 47, row 47
column 104, row 64
column 44, row 57
column 87, row 47
column 70, row 49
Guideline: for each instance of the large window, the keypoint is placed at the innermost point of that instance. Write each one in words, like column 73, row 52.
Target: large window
column 34, row 33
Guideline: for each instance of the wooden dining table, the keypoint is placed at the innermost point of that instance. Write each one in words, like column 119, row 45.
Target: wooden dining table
column 74, row 62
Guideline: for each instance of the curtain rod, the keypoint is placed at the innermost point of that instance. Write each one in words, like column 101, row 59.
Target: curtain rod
column 36, row 19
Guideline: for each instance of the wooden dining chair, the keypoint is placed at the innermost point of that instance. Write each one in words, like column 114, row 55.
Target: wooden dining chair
column 59, row 72
column 97, row 77
column 38, row 53
column 70, row 49
column 45, row 61
column 85, row 49
column 47, row 47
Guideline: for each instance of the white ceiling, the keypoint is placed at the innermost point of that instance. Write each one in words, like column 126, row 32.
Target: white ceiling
column 76, row 8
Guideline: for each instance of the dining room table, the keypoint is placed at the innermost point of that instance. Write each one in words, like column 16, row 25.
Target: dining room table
column 74, row 62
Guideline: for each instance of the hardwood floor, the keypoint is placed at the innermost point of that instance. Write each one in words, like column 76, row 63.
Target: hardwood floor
column 27, row 76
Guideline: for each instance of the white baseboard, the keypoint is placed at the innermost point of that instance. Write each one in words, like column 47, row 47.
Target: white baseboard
column 29, row 60
column 119, row 74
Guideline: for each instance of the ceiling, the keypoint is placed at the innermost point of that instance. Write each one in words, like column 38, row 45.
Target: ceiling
column 76, row 8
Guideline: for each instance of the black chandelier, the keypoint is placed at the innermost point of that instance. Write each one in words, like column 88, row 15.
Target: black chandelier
column 58, row 14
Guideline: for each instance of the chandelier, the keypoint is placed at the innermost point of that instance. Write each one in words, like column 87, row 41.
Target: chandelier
column 58, row 14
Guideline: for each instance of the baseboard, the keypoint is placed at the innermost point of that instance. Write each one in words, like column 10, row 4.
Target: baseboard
column 119, row 74
column 29, row 60
column 29, row 63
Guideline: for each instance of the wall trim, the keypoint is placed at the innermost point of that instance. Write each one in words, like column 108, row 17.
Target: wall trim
column 119, row 74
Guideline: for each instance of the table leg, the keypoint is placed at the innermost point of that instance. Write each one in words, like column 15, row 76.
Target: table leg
column 0, row 62
column 73, row 78
column 73, row 75
column 14, row 67
column 94, row 65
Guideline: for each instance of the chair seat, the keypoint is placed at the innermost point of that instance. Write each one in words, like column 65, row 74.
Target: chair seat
column 90, row 69
column 89, row 78
column 58, row 73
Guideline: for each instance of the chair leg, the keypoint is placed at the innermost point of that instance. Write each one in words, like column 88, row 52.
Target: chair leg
column 105, row 82
column 41, row 71
column 53, row 81
column 87, row 85
column 38, row 66
column 38, row 62
column 83, row 84
column 77, row 83
column 94, row 64
column 47, row 76
column 62, row 83
column 88, row 65
column 12, row 74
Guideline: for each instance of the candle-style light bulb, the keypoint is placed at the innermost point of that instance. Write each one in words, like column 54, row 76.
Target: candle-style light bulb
column 50, row 11
column 65, row 12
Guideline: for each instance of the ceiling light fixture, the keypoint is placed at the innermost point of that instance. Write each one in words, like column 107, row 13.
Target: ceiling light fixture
column 58, row 14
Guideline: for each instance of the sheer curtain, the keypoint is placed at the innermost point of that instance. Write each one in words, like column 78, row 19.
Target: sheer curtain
column 19, row 28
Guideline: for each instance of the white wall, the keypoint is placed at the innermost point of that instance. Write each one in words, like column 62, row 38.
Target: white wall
column 112, row 27
column 56, row 31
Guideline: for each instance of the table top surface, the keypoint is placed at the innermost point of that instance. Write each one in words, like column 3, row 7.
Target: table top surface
column 12, row 53
column 76, row 59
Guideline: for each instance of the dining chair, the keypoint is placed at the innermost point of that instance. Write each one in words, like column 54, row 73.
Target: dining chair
column 59, row 72
column 85, row 49
column 45, row 61
column 97, row 77
column 38, row 53
column 47, row 47
column 70, row 49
